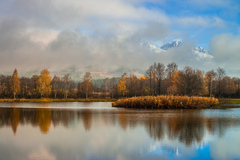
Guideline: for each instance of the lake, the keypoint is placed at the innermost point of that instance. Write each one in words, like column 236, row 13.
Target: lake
column 95, row 130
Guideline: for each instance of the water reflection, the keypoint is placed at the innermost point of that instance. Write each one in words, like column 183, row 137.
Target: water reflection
column 86, row 116
column 188, row 126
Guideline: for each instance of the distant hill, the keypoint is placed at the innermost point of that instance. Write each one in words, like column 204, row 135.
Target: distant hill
column 100, row 82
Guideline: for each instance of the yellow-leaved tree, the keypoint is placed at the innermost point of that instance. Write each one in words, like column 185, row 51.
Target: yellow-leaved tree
column 15, row 83
column 44, row 83
column 122, row 88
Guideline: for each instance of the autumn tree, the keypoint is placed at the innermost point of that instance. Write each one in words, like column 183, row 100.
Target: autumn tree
column 87, row 86
column 170, row 70
column 105, row 86
column 33, row 83
column 24, row 87
column 44, row 83
column 66, row 80
column 113, row 87
column 122, row 89
column 229, row 86
column 209, row 77
column 15, row 83
column 143, row 86
column 5, row 89
column 188, row 82
column 133, row 85
column 175, row 88
column 55, row 85
column 237, row 83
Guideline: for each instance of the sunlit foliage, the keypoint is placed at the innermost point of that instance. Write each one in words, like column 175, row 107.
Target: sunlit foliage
column 43, row 83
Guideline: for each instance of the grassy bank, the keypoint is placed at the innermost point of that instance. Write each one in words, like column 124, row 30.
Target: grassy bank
column 57, row 100
column 166, row 102
column 229, row 101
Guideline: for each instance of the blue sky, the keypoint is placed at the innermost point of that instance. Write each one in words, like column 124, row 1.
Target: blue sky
column 104, row 35
column 225, row 11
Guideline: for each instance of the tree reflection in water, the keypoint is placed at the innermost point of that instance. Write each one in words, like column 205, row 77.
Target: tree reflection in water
column 15, row 117
column 186, row 126
column 44, row 119
column 86, row 116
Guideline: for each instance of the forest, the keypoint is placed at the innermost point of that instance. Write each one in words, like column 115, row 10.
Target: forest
column 158, row 80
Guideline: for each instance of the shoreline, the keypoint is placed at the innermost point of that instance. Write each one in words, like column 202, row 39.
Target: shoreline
column 224, row 103
column 41, row 100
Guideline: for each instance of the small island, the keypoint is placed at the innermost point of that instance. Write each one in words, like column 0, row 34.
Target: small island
column 166, row 102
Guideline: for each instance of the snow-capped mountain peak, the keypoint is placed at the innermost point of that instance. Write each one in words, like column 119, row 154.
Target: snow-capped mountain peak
column 201, row 52
column 151, row 47
column 171, row 45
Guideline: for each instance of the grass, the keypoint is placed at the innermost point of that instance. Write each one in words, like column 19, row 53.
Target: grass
column 57, row 100
column 229, row 101
column 166, row 102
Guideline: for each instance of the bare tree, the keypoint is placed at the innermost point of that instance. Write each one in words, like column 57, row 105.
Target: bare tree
column 189, row 82
column 150, row 77
column 209, row 77
column 66, row 80
column 160, row 73
column 113, row 87
column 87, row 84
column 220, row 75
column 55, row 85
column 171, row 68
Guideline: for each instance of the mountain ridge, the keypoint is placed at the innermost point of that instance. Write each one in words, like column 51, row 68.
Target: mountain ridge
column 201, row 52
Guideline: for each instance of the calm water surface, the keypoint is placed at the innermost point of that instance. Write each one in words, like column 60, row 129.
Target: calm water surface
column 95, row 130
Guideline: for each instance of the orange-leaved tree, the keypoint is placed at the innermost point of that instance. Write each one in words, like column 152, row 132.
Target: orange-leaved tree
column 44, row 83
column 15, row 83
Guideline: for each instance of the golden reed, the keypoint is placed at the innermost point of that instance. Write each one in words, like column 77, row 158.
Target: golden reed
column 166, row 102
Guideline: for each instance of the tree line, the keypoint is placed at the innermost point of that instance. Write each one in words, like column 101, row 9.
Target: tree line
column 158, row 80
column 169, row 80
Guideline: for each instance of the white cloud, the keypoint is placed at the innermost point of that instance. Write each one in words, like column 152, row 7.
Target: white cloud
column 41, row 153
column 226, row 49
column 42, row 36
column 200, row 21
column 220, row 150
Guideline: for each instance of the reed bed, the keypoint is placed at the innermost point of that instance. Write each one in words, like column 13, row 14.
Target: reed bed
column 166, row 102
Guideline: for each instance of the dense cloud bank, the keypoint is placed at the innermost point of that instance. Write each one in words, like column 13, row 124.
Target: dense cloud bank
column 101, row 36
